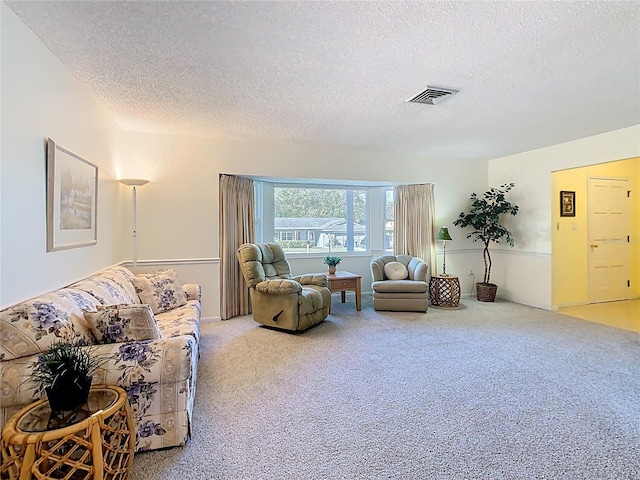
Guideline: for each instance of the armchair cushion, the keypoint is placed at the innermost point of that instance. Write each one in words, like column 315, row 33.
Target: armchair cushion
column 319, row 279
column 310, row 300
column 279, row 287
column 408, row 286
column 395, row 271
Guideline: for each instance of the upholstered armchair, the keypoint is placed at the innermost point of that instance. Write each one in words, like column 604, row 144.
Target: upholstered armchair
column 399, row 283
column 278, row 299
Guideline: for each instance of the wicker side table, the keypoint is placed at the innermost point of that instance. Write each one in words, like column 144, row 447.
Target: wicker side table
column 444, row 291
column 94, row 441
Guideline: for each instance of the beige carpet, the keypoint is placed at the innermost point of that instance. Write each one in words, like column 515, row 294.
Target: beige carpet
column 486, row 391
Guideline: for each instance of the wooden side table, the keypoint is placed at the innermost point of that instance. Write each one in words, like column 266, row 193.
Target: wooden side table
column 94, row 441
column 346, row 281
column 444, row 291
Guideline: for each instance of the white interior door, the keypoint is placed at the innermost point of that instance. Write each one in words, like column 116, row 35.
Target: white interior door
column 608, row 248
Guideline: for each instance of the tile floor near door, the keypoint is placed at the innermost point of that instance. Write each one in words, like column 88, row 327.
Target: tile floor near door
column 625, row 314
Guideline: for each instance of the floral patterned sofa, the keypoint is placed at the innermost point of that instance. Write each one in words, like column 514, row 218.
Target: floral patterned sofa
column 159, row 374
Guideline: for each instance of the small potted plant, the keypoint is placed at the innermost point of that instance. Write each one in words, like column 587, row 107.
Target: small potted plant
column 332, row 261
column 484, row 216
column 64, row 373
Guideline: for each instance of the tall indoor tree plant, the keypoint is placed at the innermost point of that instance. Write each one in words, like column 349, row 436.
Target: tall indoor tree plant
column 485, row 216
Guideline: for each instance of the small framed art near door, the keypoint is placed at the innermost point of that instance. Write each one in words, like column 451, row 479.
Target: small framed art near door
column 72, row 199
column 567, row 204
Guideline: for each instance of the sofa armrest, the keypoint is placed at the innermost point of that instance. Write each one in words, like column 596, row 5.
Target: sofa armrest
column 377, row 269
column 319, row 279
column 15, row 386
column 279, row 287
column 193, row 291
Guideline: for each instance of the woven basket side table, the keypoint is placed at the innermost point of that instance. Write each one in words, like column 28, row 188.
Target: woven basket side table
column 444, row 291
column 95, row 441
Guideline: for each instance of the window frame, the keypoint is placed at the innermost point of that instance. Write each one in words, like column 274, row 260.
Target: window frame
column 375, row 212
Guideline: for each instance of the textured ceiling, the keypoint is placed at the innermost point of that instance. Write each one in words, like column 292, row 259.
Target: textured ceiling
column 530, row 74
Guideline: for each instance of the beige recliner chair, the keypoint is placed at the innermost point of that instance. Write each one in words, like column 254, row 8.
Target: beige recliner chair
column 399, row 283
column 278, row 299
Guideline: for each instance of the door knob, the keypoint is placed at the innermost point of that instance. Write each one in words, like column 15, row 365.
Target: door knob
column 594, row 245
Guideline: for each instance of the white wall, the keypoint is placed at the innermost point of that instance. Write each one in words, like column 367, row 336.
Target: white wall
column 524, row 273
column 41, row 99
column 178, row 210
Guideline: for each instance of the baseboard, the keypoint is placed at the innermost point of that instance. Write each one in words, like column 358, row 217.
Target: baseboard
column 584, row 302
column 210, row 319
column 572, row 304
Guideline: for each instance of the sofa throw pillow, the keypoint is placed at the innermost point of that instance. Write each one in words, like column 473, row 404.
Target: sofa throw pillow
column 123, row 323
column 395, row 271
column 161, row 290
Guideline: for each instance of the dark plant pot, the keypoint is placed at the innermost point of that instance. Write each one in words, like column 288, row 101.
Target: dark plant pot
column 486, row 291
column 67, row 395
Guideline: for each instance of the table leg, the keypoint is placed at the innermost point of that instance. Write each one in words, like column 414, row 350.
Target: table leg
column 29, row 458
column 358, row 294
column 343, row 295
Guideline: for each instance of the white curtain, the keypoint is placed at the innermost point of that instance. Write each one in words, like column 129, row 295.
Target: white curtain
column 237, row 226
column 414, row 216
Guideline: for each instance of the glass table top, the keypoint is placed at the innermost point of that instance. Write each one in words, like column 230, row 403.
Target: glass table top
column 42, row 419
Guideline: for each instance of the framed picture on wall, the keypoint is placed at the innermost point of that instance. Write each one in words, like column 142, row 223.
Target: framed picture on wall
column 72, row 199
column 567, row 204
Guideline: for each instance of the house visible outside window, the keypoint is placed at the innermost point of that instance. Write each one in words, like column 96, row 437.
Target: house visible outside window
column 311, row 220
column 316, row 219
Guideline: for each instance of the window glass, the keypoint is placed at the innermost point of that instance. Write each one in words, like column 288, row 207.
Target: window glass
column 320, row 220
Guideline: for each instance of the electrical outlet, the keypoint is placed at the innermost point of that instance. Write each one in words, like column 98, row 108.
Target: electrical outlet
column 469, row 272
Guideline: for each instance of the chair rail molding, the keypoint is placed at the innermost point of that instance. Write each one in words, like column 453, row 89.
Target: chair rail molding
column 204, row 271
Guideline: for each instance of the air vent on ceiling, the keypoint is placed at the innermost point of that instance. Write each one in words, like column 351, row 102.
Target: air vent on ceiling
column 433, row 95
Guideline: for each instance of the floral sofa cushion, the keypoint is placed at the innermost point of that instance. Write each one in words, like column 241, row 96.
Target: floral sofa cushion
column 31, row 326
column 180, row 321
column 111, row 286
column 161, row 290
column 123, row 323
column 122, row 277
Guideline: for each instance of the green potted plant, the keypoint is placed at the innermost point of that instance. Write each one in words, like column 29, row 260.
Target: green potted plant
column 64, row 373
column 332, row 261
column 484, row 216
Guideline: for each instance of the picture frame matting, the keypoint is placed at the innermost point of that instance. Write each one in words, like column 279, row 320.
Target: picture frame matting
column 72, row 199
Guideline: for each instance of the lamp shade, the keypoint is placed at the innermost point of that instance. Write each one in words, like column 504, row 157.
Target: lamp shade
column 443, row 234
column 133, row 182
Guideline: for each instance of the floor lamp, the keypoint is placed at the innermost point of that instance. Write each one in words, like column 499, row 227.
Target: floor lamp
column 443, row 235
column 134, row 182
